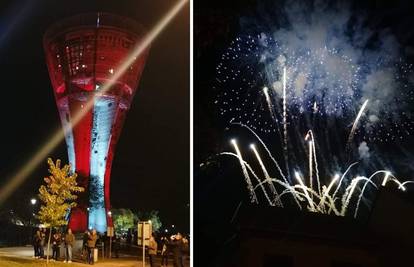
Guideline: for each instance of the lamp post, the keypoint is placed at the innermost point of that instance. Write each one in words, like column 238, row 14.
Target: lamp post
column 33, row 202
column 110, row 232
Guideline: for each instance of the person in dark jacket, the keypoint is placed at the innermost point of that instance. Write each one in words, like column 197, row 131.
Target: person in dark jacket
column 84, row 252
column 116, row 242
column 164, row 251
column 176, row 245
column 55, row 245
column 92, row 238
column 42, row 242
column 36, row 244
column 185, row 249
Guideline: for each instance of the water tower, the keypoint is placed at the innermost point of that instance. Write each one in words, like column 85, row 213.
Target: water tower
column 83, row 54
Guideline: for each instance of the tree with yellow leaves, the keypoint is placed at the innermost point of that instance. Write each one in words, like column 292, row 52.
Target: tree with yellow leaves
column 57, row 196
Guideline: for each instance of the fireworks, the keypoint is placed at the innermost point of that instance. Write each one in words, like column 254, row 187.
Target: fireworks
column 347, row 91
column 318, row 199
column 315, row 67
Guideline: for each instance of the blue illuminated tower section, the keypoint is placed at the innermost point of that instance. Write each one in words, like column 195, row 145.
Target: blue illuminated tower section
column 83, row 54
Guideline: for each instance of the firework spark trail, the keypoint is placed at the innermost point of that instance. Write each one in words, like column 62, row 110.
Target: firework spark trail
column 384, row 181
column 269, row 103
column 285, row 185
column 253, row 197
column 288, row 189
column 342, row 177
column 270, row 155
column 310, row 165
column 260, row 183
column 316, row 166
column 326, row 193
column 354, row 126
column 310, row 160
column 265, row 147
column 285, row 133
column 267, row 177
column 407, row 182
column 312, row 154
column 400, row 185
column 308, row 192
column 349, row 192
column 292, row 191
column 305, row 190
column 331, row 203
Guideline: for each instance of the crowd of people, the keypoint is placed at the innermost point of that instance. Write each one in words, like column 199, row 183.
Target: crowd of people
column 175, row 247
column 67, row 240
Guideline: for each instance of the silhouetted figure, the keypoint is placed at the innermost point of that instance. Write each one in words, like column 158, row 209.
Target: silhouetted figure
column 36, row 243
column 84, row 253
column 42, row 242
column 116, row 242
column 176, row 245
column 164, row 251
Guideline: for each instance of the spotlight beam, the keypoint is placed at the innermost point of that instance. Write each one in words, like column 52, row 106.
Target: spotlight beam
column 21, row 175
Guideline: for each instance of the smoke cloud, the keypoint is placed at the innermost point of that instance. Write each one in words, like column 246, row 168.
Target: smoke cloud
column 363, row 151
column 334, row 59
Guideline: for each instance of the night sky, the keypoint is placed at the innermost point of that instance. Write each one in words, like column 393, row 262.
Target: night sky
column 150, row 170
column 219, row 182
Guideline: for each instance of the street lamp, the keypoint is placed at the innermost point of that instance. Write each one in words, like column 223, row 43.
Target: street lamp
column 33, row 201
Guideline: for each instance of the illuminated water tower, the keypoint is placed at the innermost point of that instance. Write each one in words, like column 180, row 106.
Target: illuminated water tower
column 82, row 55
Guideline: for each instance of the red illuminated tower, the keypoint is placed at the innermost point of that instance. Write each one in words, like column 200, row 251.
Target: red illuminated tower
column 83, row 54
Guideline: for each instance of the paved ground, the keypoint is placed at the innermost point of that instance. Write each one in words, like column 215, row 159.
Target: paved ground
column 16, row 253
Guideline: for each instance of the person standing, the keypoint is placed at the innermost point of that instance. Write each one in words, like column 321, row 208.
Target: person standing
column 42, row 242
column 185, row 249
column 92, row 238
column 115, row 245
column 55, row 246
column 69, row 242
column 152, row 250
column 176, row 245
column 36, row 244
column 84, row 253
column 164, row 251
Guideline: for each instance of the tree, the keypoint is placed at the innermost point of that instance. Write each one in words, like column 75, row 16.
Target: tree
column 154, row 216
column 124, row 219
column 57, row 197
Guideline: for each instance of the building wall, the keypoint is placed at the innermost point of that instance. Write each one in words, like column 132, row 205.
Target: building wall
column 263, row 252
